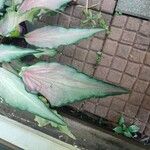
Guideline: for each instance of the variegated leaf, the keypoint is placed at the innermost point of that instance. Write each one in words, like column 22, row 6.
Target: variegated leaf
column 61, row 84
column 48, row 4
column 52, row 37
column 12, row 90
column 8, row 53
column 11, row 20
column 2, row 4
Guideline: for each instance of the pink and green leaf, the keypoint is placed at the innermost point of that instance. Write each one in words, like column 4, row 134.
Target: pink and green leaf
column 62, row 84
column 13, row 92
column 52, row 37
column 47, row 4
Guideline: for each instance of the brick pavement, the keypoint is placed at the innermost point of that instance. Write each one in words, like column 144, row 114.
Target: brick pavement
column 125, row 61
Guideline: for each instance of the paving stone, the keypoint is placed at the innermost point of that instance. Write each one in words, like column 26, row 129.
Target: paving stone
column 123, row 51
column 65, row 60
column 89, row 69
column 75, row 22
column 119, row 21
column 101, row 72
column 91, row 58
column 123, row 97
column 115, row 33
column 146, row 102
column 97, row 44
column 113, row 115
column 147, row 130
column 78, row 12
column 117, row 105
column 143, row 115
column 89, row 107
column 128, row 81
column 106, row 60
column 101, row 111
column 80, row 54
column 142, row 42
column 133, row 24
column 135, row 8
column 64, row 21
column 141, row 86
column 144, row 29
column 128, row 120
column 108, row 6
column 105, row 101
column 131, row 110
column 110, row 47
column 84, row 43
column 107, row 18
column 128, row 37
column 147, row 59
column 145, row 73
column 94, row 2
column 119, row 63
column 148, row 90
column 137, row 55
column 133, row 69
column 78, row 65
column 114, row 76
column 136, row 98
column 69, row 50
column 140, row 124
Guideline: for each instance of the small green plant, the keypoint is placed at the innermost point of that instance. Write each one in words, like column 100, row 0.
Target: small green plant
column 93, row 20
column 125, row 130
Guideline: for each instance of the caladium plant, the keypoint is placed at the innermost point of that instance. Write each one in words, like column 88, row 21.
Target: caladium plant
column 58, row 84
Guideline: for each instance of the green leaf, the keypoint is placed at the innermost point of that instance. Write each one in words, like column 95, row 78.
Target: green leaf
column 61, row 84
column 48, row 52
column 64, row 129
column 47, row 4
column 121, row 120
column 2, row 4
column 8, row 53
column 12, row 90
column 11, row 20
column 52, row 37
column 134, row 128
column 127, row 133
column 118, row 130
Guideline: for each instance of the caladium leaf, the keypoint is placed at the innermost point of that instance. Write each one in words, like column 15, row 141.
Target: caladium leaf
column 11, row 20
column 62, row 84
column 13, row 92
column 8, row 53
column 47, row 4
column 52, row 37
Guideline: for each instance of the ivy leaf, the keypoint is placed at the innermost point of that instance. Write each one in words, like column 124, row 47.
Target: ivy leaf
column 118, row 130
column 13, row 92
column 134, row 128
column 52, row 37
column 47, row 4
column 62, row 84
column 8, row 53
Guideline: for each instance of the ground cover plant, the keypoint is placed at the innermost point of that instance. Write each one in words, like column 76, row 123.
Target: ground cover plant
column 40, row 87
